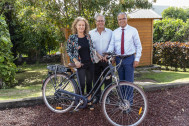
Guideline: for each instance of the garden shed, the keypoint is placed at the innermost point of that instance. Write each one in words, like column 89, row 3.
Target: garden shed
column 142, row 20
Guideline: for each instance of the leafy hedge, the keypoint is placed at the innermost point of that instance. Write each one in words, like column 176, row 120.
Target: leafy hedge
column 174, row 54
column 7, row 67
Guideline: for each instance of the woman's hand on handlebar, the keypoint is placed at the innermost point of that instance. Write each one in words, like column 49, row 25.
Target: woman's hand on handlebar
column 78, row 64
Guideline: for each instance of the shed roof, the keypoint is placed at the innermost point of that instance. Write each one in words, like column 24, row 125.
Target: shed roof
column 144, row 13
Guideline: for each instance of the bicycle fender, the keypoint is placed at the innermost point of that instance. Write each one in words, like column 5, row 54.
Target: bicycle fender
column 105, row 91
column 43, row 81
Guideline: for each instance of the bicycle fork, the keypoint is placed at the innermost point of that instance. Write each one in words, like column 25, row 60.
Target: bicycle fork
column 119, row 89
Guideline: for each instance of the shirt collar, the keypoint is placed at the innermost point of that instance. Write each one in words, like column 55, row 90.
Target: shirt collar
column 97, row 30
column 124, row 27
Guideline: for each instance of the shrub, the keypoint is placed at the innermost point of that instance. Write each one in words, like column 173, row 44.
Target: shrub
column 7, row 67
column 174, row 54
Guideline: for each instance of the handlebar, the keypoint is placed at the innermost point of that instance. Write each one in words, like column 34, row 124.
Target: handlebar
column 112, row 54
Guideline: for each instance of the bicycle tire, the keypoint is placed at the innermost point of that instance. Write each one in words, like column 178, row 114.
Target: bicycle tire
column 130, row 114
column 58, row 103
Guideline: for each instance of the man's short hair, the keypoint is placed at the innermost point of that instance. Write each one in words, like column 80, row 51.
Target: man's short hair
column 99, row 15
column 120, row 13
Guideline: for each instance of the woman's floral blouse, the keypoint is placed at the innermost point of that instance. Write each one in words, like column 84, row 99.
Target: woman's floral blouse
column 72, row 47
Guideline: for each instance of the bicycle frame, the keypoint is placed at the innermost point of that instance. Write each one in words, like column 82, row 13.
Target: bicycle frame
column 110, row 72
column 79, row 97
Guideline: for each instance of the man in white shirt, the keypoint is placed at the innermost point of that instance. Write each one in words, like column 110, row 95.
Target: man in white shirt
column 126, row 42
column 101, row 38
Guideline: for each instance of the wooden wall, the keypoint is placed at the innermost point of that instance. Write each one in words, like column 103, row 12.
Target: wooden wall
column 145, row 29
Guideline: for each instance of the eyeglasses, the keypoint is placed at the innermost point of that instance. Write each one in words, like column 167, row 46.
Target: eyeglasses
column 122, row 19
column 99, row 20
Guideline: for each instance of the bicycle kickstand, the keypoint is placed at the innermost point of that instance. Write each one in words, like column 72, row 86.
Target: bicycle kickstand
column 80, row 102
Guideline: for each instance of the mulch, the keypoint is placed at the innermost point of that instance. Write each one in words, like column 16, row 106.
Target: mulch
column 168, row 107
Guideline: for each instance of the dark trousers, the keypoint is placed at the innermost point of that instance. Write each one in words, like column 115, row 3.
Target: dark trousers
column 126, row 72
column 99, row 67
column 86, row 75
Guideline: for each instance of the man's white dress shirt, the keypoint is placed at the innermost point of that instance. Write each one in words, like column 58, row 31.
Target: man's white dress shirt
column 101, row 41
column 132, row 42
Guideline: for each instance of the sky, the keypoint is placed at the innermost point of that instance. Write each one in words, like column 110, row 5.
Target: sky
column 176, row 3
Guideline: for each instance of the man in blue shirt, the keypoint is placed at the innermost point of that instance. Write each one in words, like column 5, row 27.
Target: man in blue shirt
column 126, row 42
column 101, row 38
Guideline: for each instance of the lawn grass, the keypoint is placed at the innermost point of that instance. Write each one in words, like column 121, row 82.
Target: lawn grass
column 165, row 77
column 31, row 76
column 29, row 82
column 21, row 92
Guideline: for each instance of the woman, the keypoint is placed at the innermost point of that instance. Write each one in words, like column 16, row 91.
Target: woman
column 80, row 50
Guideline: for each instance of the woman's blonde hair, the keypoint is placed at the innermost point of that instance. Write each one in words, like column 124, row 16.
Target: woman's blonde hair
column 74, row 29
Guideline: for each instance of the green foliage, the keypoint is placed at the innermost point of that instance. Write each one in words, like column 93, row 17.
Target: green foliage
column 174, row 54
column 169, row 30
column 37, row 26
column 173, row 27
column 31, row 32
column 39, row 35
column 64, row 12
column 176, row 13
column 7, row 67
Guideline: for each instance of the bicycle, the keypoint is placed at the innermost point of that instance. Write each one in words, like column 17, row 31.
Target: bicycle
column 62, row 93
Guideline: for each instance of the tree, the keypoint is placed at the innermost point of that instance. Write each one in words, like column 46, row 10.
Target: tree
column 173, row 26
column 176, row 13
column 30, row 31
column 184, row 32
column 168, row 30
column 7, row 9
column 39, row 35
column 7, row 67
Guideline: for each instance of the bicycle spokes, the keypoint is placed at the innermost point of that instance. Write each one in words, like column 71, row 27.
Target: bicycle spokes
column 56, row 100
column 129, row 111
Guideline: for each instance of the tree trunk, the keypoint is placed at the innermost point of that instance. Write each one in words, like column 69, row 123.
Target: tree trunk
column 1, row 83
column 79, row 3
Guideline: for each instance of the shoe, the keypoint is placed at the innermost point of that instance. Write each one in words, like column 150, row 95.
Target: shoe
column 90, row 106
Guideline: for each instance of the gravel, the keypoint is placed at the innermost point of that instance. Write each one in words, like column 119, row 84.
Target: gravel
column 168, row 107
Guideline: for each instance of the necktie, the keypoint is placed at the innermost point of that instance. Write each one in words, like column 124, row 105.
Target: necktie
column 122, row 42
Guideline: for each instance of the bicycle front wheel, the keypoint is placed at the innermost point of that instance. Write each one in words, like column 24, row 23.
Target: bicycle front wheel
column 55, row 100
column 129, row 112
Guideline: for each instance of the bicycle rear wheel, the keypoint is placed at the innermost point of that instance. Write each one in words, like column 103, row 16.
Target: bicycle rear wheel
column 55, row 100
column 132, row 112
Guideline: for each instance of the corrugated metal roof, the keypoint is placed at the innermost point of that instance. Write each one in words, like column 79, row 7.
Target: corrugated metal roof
column 144, row 13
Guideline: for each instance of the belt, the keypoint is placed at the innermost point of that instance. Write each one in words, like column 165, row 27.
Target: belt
column 126, row 56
